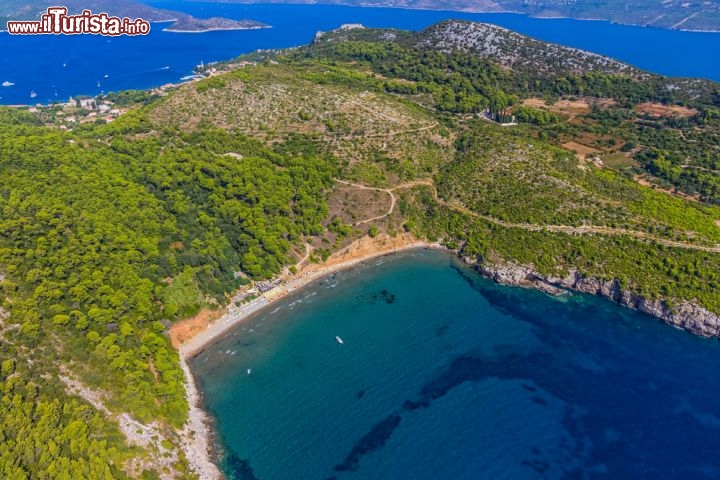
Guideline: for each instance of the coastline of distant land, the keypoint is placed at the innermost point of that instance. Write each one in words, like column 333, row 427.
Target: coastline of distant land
column 191, row 24
column 671, row 15
column 181, row 22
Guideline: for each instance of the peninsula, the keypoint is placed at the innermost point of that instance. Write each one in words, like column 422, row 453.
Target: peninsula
column 222, row 194
column 181, row 22
column 188, row 24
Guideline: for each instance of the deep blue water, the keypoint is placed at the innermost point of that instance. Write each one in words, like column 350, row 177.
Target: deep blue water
column 444, row 375
column 72, row 65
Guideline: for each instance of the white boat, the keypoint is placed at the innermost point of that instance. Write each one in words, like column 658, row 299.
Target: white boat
column 339, row 340
column 249, row 371
column 33, row 94
column 7, row 84
column 106, row 76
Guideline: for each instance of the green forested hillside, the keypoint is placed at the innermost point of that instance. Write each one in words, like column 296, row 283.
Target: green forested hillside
column 677, row 148
column 106, row 234
column 530, row 184
column 110, row 232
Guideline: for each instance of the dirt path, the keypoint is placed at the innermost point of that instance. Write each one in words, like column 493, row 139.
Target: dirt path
column 602, row 230
column 308, row 250
column 363, row 187
column 389, row 191
column 393, row 133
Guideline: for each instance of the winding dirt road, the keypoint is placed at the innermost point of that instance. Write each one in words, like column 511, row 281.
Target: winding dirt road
column 579, row 230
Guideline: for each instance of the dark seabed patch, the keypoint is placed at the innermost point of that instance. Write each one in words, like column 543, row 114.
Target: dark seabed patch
column 440, row 331
column 371, row 441
column 388, row 297
column 238, row 468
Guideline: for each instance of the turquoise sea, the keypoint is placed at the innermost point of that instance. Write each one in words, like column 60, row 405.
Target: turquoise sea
column 56, row 67
column 445, row 375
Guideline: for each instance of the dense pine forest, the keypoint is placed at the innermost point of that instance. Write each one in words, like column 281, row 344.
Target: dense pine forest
column 107, row 234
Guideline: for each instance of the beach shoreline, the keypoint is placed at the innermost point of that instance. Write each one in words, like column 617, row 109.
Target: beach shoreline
column 197, row 441
column 348, row 257
column 196, row 435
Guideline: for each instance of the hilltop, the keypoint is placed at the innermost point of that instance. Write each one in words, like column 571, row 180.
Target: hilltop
column 524, row 55
column 513, row 50
column 504, row 47
column 580, row 174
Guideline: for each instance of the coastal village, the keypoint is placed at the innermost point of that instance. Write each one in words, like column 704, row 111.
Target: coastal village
column 80, row 110
column 105, row 108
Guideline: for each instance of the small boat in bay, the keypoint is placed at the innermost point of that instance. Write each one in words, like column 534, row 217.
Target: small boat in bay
column 339, row 340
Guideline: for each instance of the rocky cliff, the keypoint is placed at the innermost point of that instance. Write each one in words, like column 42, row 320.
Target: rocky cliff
column 686, row 315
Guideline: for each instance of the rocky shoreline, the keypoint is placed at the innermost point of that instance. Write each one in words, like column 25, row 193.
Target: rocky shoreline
column 686, row 315
column 196, row 435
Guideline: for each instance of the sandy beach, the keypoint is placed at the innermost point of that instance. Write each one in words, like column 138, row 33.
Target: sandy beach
column 193, row 335
column 355, row 253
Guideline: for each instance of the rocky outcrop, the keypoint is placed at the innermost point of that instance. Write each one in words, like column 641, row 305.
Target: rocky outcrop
column 685, row 314
column 514, row 50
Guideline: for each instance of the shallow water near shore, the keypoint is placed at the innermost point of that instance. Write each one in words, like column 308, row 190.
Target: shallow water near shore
column 443, row 374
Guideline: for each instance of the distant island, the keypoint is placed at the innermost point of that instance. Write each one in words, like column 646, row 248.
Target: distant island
column 670, row 14
column 31, row 10
column 192, row 24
